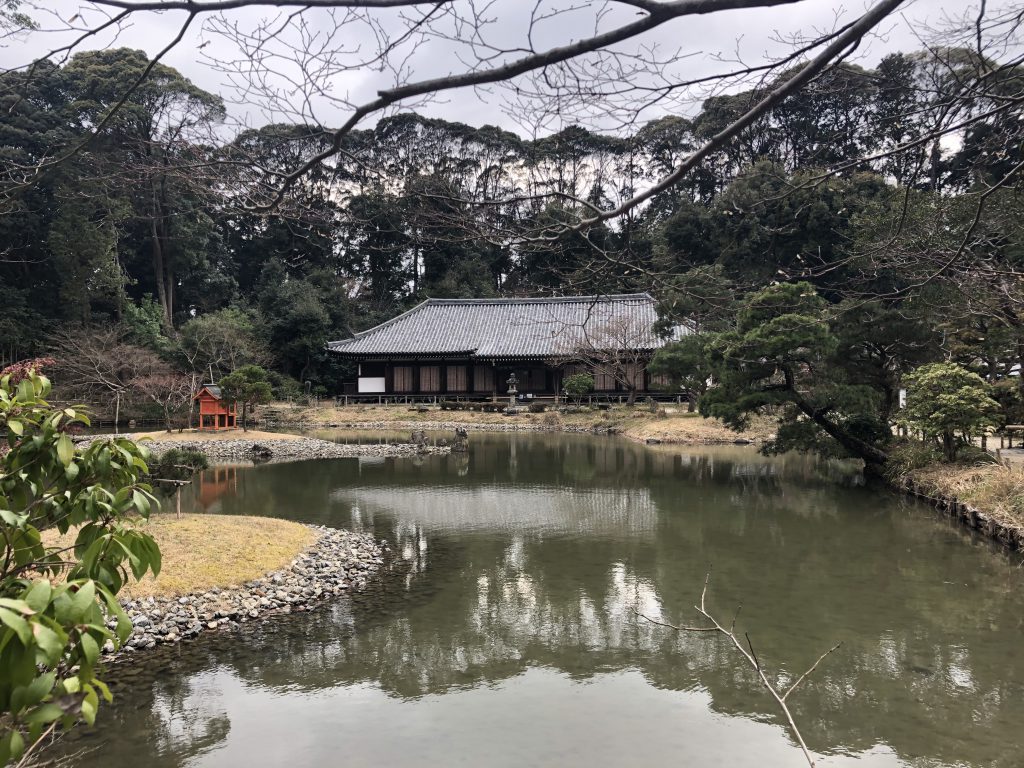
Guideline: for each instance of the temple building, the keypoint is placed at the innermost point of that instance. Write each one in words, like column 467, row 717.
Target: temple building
column 470, row 347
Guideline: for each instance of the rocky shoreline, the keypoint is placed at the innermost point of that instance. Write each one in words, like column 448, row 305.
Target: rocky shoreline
column 290, row 450
column 339, row 562
column 511, row 426
column 972, row 518
column 448, row 426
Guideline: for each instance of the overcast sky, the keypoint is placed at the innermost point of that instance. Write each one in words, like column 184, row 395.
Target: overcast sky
column 751, row 32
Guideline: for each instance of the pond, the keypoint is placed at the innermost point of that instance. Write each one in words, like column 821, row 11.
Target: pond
column 505, row 632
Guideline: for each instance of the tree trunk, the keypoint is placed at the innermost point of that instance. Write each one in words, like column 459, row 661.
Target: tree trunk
column 245, row 413
column 161, row 269
column 191, row 402
column 1020, row 363
column 858, row 447
column 934, row 160
column 158, row 270
column 949, row 446
column 871, row 455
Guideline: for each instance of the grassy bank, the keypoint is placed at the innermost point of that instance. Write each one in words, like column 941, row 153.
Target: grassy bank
column 205, row 551
column 670, row 424
column 996, row 490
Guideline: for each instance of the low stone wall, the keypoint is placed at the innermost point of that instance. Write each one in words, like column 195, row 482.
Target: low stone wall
column 1011, row 536
column 339, row 562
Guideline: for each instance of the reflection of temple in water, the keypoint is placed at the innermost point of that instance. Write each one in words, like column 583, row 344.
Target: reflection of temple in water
column 217, row 482
column 629, row 511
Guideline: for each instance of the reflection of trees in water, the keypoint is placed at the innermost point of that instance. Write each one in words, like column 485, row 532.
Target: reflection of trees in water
column 173, row 708
column 187, row 719
column 479, row 596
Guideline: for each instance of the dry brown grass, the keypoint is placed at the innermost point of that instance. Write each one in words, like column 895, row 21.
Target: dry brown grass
column 993, row 488
column 693, row 428
column 637, row 423
column 204, row 551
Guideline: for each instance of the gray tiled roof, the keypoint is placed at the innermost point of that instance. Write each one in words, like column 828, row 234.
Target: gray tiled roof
column 496, row 328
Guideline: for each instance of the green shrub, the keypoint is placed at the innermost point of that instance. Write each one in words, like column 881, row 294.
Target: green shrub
column 578, row 385
column 947, row 402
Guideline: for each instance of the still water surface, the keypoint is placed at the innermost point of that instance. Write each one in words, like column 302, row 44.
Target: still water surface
column 505, row 634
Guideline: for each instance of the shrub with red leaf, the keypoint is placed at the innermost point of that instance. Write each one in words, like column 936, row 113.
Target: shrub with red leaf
column 19, row 371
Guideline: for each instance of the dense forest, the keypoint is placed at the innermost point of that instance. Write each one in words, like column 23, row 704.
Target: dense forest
column 151, row 242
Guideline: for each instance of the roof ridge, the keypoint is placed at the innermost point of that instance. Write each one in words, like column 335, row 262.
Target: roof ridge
column 644, row 296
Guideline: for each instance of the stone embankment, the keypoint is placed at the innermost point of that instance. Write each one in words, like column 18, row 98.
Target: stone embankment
column 291, row 449
column 1004, row 532
column 339, row 562
column 448, row 426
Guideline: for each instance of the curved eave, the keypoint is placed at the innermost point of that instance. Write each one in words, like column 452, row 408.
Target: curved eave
column 464, row 354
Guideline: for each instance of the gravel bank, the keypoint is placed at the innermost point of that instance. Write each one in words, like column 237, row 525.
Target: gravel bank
column 339, row 562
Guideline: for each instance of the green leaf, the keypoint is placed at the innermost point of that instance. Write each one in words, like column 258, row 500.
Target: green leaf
column 141, row 502
column 38, row 596
column 10, row 517
column 65, row 450
column 89, row 710
column 44, row 715
column 90, row 649
column 17, row 745
column 155, row 558
column 16, row 605
column 49, row 642
column 12, row 746
column 17, row 624
column 104, row 690
column 84, row 598
column 16, row 427
column 33, row 693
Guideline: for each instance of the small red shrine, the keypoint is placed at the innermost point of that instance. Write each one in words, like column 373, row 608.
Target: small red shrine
column 214, row 412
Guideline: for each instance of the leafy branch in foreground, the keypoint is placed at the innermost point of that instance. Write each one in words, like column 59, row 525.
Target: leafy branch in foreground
column 750, row 656
column 58, row 606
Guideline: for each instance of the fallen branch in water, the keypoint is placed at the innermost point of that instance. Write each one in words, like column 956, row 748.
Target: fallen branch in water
column 751, row 657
